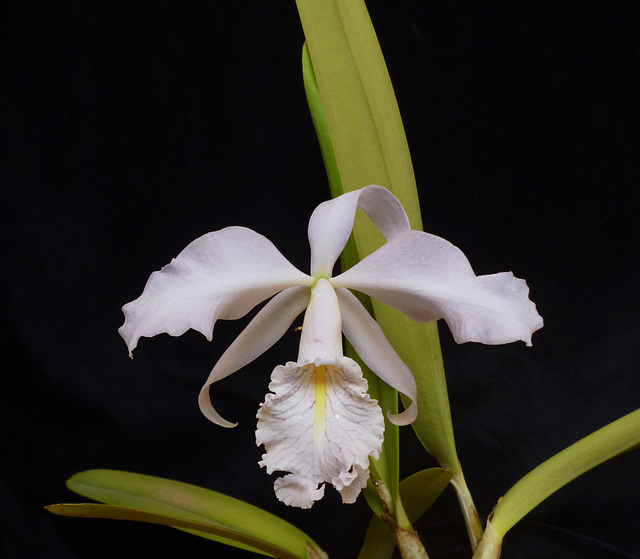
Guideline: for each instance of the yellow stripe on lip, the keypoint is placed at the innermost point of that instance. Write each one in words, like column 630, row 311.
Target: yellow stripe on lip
column 320, row 387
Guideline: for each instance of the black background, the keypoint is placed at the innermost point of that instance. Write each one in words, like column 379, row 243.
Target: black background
column 130, row 129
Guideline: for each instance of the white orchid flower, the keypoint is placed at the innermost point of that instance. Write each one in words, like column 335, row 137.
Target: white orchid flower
column 319, row 424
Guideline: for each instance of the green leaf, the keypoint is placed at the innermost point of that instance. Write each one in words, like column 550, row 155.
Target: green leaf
column 353, row 82
column 378, row 542
column 386, row 467
column 613, row 439
column 225, row 535
column 320, row 125
column 418, row 492
column 190, row 503
column 369, row 145
column 421, row 490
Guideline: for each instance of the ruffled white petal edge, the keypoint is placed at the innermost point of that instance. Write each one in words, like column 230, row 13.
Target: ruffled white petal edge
column 296, row 491
column 266, row 328
column 223, row 274
column 350, row 488
column 374, row 349
column 332, row 221
column 321, row 426
column 426, row 278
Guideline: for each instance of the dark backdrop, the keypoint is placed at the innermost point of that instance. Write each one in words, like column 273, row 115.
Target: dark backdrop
column 129, row 129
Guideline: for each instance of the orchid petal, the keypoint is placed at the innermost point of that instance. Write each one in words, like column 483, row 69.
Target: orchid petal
column 374, row 349
column 332, row 221
column 266, row 328
column 221, row 275
column 427, row 278
column 321, row 426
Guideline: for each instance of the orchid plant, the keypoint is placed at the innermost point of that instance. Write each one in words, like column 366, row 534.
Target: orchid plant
column 328, row 419
column 320, row 424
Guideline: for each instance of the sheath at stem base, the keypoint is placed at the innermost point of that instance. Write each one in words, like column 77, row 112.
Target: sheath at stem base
column 471, row 518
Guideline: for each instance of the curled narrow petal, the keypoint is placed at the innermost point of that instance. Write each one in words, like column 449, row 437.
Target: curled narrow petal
column 321, row 426
column 372, row 346
column 428, row 278
column 223, row 274
column 266, row 328
column 332, row 221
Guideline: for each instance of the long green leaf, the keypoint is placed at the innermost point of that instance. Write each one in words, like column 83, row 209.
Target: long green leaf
column 112, row 512
column 189, row 503
column 418, row 492
column 386, row 467
column 358, row 99
column 366, row 133
column 320, row 124
column 613, row 439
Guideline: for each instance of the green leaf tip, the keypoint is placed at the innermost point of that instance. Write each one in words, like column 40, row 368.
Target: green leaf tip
column 191, row 504
column 90, row 510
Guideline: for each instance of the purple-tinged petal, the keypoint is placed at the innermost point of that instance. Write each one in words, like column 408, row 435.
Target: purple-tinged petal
column 221, row 275
column 266, row 328
column 332, row 221
column 374, row 349
column 427, row 278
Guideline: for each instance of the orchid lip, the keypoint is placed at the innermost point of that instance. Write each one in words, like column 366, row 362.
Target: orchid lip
column 319, row 424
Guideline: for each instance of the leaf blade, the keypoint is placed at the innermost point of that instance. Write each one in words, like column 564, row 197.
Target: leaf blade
column 386, row 467
column 420, row 490
column 370, row 147
column 189, row 503
column 222, row 534
column 611, row 440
